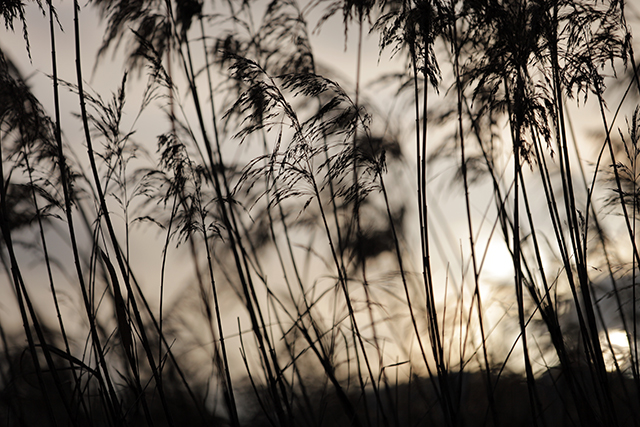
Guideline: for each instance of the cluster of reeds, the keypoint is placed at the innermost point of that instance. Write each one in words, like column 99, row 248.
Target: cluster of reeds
column 320, row 291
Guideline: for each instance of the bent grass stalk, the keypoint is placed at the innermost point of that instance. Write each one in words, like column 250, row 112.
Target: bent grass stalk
column 284, row 230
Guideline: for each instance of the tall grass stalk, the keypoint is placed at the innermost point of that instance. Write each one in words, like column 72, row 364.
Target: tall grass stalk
column 319, row 289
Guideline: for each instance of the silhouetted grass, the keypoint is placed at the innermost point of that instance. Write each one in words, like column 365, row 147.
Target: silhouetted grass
column 316, row 294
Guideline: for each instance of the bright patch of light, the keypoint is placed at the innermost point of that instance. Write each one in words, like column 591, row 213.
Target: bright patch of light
column 617, row 352
column 497, row 264
column 618, row 338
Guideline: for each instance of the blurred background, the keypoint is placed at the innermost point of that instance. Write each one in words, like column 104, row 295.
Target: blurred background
column 280, row 212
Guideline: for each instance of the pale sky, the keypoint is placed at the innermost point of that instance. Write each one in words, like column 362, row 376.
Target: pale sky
column 329, row 46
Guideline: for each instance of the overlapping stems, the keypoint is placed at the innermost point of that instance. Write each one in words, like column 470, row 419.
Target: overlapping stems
column 527, row 58
column 317, row 168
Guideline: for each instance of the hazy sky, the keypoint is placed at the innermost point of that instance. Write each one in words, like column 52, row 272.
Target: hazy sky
column 328, row 44
column 329, row 47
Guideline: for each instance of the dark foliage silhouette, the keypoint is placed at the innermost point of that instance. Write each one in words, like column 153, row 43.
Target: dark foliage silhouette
column 320, row 289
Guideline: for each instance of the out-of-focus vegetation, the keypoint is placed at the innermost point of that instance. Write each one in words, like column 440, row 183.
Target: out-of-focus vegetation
column 320, row 290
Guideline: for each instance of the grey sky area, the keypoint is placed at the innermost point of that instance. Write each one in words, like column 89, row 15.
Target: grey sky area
column 455, row 210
